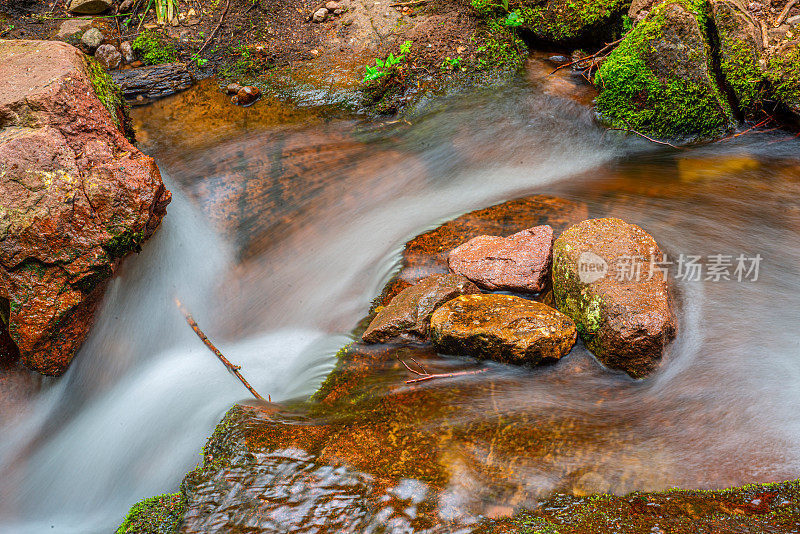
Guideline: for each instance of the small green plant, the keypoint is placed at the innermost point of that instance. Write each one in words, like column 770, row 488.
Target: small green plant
column 451, row 63
column 627, row 23
column 374, row 72
column 513, row 20
column 153, row 48
column 166, row 10
column 199, row 61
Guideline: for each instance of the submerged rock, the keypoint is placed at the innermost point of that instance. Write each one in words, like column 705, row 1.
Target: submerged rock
column 503, row 328
column 625, row 319
column 519, row 262
column 660, row 79
column 76, row 196
column 247, row 95
column 409, row 313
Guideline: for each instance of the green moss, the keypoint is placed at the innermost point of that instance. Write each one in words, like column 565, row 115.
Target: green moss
column 569, row 20
column 783, row 74
column 110, row 95
column 153, row 48
column 739, row 65
column 635, row 96
column 502, row 47
column 124, row 242
column 157, row 515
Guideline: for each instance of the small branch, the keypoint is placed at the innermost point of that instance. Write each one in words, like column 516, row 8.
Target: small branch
column 648, row 138
column 760, row 124
column 214, row 31
column 413, row 3
column 231, row 367
column 606, row 47
column 425, row 375
column 785, row 12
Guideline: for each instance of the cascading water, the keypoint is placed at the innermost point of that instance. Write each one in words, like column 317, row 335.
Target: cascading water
column 306, row 218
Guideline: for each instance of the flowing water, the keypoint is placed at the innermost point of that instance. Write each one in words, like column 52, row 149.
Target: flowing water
column 287, row 221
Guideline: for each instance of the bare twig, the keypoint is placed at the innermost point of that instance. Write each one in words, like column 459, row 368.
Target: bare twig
column 425, row 375
column 214, row 31
column 785, row 12
column 645, row 137
column 606, row 47
column 231, row 367
column 760, row 124
column 412, row 3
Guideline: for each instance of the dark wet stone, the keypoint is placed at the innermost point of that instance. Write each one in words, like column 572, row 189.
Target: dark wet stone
column 409, row 313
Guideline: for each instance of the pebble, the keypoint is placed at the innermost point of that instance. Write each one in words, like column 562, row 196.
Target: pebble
column 332, row 6
column 794, row 21
column 247, row 95
column 72, row 26
column 233, row 88
column 92, row 38
column 125, row 6
column 319, row 15
column 127, row 51
column 108, row 56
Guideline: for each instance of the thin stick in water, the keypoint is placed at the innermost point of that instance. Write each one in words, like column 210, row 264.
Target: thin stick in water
column 231, row 367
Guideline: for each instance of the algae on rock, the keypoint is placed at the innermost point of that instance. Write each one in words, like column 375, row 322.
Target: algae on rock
column 660, row 80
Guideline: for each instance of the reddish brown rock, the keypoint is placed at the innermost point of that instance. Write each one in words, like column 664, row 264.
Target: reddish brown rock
column 247, row 95
column 503, row 328
column 409, row 313
column 519, row 262
column 624, row 313
column 76, row 197
column 427, row 253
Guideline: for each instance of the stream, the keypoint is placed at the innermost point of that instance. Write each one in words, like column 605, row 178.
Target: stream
column 287, row 221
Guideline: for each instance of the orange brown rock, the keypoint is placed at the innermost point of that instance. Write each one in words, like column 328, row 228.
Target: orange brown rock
column 76, row 197
column 503, row 328
column 409, row 313
column 519, row 262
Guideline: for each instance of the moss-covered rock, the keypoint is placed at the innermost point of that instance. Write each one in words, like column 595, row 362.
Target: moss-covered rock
column 783, row 75
column 567, row 21
column 660, row 79
column 156, row 515
column 153, row 48
column 738, row 41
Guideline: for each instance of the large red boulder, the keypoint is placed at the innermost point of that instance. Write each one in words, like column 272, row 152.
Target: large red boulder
column 75, row 197
column 519, row 262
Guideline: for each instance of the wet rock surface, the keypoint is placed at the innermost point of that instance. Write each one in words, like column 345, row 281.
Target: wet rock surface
column 77, row 197
column 409, row 313
column 427, row 254
column 143, row 84
column 604, row 280
column 519, row 262
column 503, row 328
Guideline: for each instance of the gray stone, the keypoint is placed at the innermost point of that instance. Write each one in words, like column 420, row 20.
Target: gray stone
column 127, row 51
column 125, row 6
column 92, row 38
column 89, row 7
column 319, row 15
column 72, row 27
column 108, row 56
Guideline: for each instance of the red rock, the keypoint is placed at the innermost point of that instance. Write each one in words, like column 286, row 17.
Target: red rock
column 409, row 313
column 519, row 262
column 77, row 197
column 247, row 95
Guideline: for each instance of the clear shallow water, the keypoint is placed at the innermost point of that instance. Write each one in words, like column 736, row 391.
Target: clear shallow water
column 286, row 223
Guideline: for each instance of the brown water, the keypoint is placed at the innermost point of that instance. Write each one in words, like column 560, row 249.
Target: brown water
column 293, row 223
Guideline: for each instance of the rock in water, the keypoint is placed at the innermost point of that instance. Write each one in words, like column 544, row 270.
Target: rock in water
column 410, row 311
column 625, row 320
column 664, row 65
column 247, row 95
column 503, row 328
column 76, row 197
column 89, row 7
column 519, row 262
column 108, row 56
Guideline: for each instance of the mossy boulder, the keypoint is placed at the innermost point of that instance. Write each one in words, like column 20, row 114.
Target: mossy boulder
column 568, row 21
column 156, row 515
column 740, row 47
column 660, row 79
column 605, row 277
column 783, row 77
